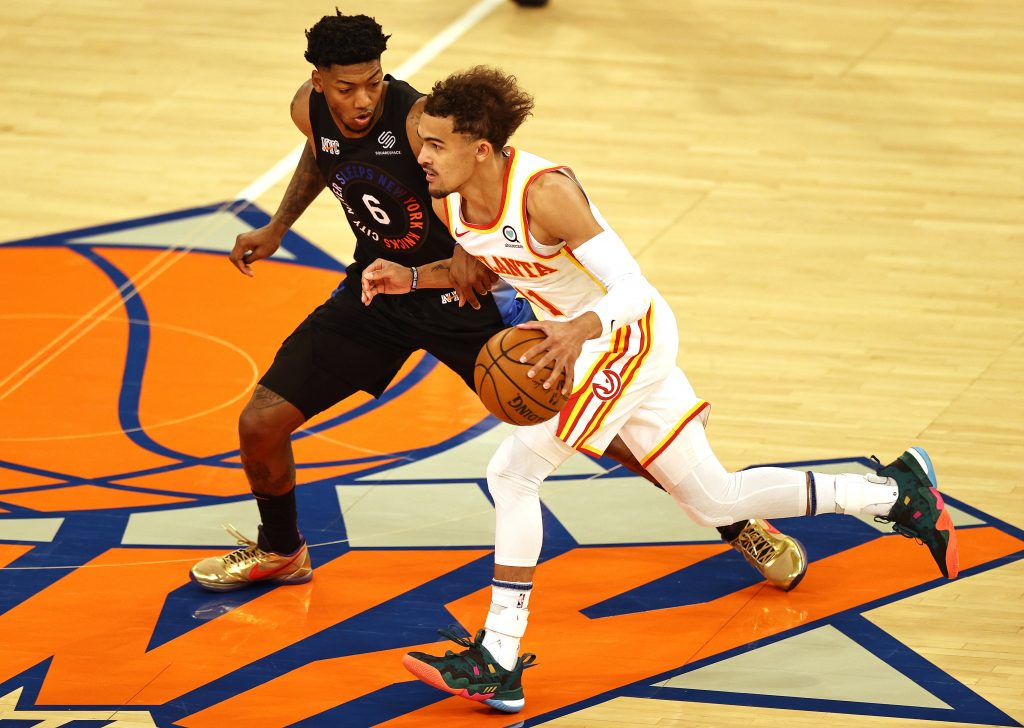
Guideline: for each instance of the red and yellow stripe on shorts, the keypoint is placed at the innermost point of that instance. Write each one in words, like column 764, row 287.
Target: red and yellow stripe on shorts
column 585, row 412
column 658, row 449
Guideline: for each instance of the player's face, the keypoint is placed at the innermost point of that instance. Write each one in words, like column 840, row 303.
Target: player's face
column 353, row 94
column 448, row 158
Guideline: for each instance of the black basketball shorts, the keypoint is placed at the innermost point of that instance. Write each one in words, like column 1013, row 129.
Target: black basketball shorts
column 343, row 346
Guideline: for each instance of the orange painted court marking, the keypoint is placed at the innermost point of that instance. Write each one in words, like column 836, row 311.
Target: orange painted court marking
column 324, row 684
column 86, row 498
column 9, row 552
column 225, row 482
column 100, row 655
column 16, row 479
column 574, row 651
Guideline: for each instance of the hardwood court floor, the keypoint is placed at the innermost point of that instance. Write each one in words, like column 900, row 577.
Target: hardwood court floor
column 831, row 196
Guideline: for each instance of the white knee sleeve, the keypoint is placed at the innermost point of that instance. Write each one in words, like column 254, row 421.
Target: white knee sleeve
column 514, row 475
column 712, row 496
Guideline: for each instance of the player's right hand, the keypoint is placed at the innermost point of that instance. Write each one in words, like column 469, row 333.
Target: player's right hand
column 470, row 278
column 255, row 245
column 385, row 276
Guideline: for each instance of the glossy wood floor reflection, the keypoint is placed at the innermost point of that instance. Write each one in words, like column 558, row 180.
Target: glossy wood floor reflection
column 830, row 195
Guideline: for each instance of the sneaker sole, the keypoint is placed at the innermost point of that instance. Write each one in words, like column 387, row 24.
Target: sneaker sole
column 431, row 676
column 945, row 520
column 945, row 523
column 218, row 587
column 803, row 552
column 926, row 464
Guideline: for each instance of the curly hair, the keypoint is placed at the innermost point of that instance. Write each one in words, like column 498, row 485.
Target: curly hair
column 344, row 40
column 483, row 102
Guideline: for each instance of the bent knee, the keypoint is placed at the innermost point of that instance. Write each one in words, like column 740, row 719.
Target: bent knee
column 703, row 518
column 268, row 418
column 515, row 468
column 707, row 500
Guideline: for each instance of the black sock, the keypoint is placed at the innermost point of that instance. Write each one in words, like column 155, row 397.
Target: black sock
column 280, row 529
column 729, row 533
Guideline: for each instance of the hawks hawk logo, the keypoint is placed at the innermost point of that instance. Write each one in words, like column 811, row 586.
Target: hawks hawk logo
column 608, row 387
column 119, row 462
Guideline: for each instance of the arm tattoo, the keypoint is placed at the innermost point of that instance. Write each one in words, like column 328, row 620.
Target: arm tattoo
column 412, row 123
column 306, row 184
column 414, row 118
column 263, row 398
column 440, row 266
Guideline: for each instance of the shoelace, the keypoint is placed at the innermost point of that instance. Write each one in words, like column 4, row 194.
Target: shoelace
column 896, row 527
column 457, row 639
column 250, row 551
column 899, row 528
column 753, row 542
column 528, row 658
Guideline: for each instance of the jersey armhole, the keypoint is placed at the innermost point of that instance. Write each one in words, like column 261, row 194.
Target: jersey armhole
column 525, row 213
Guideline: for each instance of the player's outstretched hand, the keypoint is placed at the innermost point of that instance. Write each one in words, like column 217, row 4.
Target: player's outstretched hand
column 385, row 276
column 470, row 277
column 256, row 245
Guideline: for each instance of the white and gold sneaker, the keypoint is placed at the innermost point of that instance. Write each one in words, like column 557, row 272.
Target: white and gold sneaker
column 779, row 558
column 251, row 564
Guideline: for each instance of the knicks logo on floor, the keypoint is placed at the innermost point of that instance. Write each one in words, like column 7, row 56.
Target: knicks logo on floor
column 119, row 462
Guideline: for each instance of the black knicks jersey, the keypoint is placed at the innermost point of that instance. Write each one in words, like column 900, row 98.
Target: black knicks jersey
column 381, row 187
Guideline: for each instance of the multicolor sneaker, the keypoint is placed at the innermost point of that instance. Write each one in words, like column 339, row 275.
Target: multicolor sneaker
column 473, row 674
column 780, row 559
column 251, row 564
column 919, row 511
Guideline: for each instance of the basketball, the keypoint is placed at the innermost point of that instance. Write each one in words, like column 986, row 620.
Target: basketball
column 503, row 385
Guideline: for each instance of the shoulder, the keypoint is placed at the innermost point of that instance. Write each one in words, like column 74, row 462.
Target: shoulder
column 300, row 108
column 554, row 190
column 558, row 210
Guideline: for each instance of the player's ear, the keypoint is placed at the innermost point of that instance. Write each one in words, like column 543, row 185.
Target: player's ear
column 317, row 81
column 483, row 150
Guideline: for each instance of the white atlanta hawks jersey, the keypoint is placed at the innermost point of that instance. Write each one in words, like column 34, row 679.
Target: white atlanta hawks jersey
column 614, row 373
column 557, row 285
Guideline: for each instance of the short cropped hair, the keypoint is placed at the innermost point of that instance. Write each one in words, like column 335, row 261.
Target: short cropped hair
column 483, row 102
column 345, row 40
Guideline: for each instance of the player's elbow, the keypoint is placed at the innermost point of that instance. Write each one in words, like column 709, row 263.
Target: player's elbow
column 627, row 299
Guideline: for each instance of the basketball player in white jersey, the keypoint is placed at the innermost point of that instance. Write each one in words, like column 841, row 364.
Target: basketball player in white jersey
column 614, row 338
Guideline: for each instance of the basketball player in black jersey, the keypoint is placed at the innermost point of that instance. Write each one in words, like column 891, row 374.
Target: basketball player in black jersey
column 362, row 144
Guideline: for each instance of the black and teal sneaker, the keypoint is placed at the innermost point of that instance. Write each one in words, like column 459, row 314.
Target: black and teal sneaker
column 919, row 511
column 473, row 674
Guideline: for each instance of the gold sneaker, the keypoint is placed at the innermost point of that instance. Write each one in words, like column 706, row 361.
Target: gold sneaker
column 780, row 559
column 251, row 564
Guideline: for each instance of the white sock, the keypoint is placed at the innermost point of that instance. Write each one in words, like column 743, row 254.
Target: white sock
column 506, row 620
column 870, row 495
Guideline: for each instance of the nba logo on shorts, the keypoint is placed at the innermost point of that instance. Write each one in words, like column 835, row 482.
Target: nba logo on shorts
column 610, row 387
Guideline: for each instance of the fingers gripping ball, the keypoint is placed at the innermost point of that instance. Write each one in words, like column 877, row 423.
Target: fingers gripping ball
column 503, row 385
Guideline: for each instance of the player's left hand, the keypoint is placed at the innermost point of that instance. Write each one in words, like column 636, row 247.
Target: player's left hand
column 385, row 276
column 470, row 278
column 561, row 349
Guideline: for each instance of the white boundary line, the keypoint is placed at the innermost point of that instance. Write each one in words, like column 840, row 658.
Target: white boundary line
column 414, row 63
